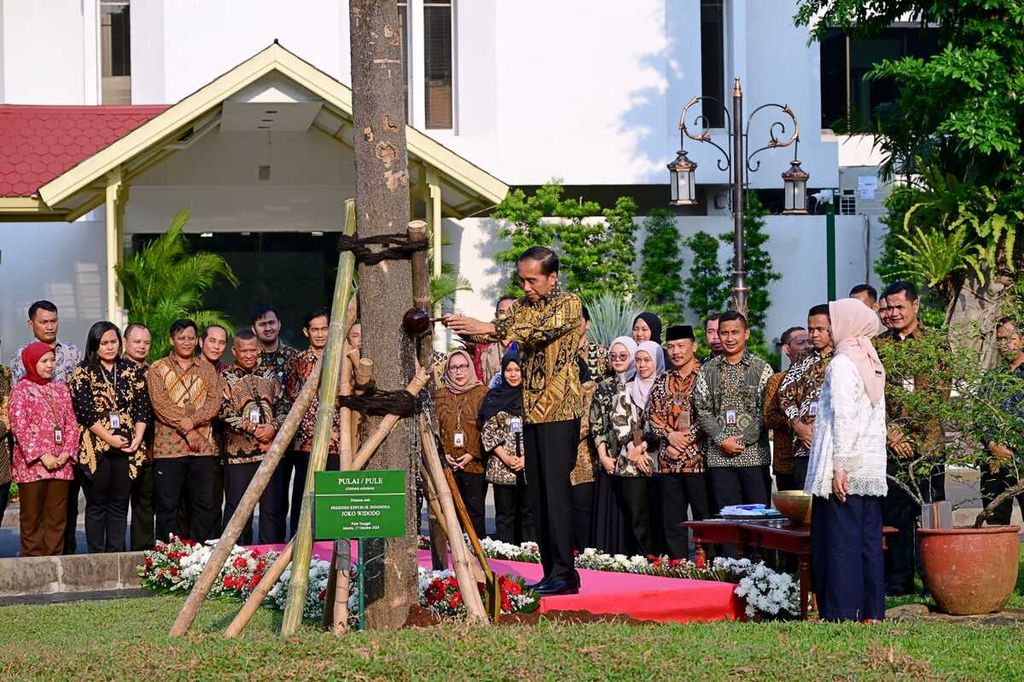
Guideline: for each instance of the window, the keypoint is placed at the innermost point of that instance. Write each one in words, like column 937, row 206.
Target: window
column 712, row 60
column 438, row 63
column 850, row 102
column 115, row 52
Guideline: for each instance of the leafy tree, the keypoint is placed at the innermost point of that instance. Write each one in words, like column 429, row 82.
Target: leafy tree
column 661, row 284
column 758, row 264
column 165, row 281
column 955, row 135
column 705, row 283
column 597, row 244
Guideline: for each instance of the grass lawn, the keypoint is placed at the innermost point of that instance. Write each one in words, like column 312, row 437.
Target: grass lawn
column 127, row 639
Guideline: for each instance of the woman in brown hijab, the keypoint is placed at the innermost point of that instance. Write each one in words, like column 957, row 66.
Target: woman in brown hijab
column 458, row 400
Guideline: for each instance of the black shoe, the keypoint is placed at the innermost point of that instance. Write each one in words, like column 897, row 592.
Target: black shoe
column 557, row 586
column 536, row 587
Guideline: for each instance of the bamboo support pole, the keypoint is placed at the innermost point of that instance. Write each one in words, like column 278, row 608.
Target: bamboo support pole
column 367, row 449
column 364, row 375
column 330, row 367
column 460, row 553
column 255, row 600
column 493, row 598
column 343, row 562
column 435, row 525
column 336, row 608
column 417, row 231
column 282, row 439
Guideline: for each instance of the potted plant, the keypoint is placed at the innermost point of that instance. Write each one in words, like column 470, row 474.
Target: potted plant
column 948, row 407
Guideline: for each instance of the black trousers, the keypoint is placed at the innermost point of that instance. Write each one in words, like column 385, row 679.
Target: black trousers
column 272, row 503
column 71, row 525
column 107, row 493
column 582, row 516
column 681, row 493
column 800, row 471
column 192, row 475
column 636, row 502
column 550, row 450
column 995, row 484
column 786, row 482
column 473, row 489
column 142, row 515
column 298, row 461
column 846, row 558
column 512, row 519
column 902, row 511
column 5, row 494
column 738, row 485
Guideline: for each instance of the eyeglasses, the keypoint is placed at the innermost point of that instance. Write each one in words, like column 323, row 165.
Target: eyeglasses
column 618, row 356
column 458, row 368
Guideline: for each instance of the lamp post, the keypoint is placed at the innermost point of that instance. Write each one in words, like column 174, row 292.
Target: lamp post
column 740, row 162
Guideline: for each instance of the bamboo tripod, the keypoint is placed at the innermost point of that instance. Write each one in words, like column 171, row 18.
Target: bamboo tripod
column 332, row 376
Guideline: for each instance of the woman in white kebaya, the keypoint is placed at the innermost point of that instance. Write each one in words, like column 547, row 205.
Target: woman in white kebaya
column 846, row 472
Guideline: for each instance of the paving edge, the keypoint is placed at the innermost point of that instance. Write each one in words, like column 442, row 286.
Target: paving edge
column 78, row 573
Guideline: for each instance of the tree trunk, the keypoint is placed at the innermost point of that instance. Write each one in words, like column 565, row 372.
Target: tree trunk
column 385, row 290
column 981, row 304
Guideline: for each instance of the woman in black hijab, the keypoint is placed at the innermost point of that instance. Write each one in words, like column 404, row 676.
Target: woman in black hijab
column 647, row 327
column 501, row 429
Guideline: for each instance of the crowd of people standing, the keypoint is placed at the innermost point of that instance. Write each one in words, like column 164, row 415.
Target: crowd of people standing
column 168, row 447
column 583, row 445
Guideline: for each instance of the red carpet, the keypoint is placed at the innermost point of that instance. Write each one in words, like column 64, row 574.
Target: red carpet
column 643, row 597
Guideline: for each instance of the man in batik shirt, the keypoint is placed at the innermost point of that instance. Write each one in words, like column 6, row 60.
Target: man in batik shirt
column 729, row 396
column 798, row 394
column 252, row 412
column 671, row 417
column 186, row 395
column 274, row 353
column 795, row 344
column 315, row 327
column 545, row 324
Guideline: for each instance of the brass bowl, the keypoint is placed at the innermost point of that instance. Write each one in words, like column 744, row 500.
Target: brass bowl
column 795, row 505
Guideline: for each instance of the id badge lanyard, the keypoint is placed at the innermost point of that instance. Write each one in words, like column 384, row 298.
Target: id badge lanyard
column 58, row 430
column 113, row 414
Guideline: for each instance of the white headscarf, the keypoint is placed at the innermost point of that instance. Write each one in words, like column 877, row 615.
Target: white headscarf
column 629, row 344
column 852, row 329
column 640, row 388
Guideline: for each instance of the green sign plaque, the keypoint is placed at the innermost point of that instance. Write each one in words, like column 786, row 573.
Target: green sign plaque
column 359, row 504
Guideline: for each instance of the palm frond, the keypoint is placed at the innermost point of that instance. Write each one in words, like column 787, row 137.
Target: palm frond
column 443, row 287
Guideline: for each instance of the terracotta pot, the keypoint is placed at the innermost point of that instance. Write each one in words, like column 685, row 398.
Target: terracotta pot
column 970, row 571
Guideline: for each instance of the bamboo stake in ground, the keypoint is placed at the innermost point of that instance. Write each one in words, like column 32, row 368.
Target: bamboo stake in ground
column 255, row 600
column 282, row 439
column 330, row 366
column 387, row 423
column 490, row 581
column 336, row 610
column 460, row 553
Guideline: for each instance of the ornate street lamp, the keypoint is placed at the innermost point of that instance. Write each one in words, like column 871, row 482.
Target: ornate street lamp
column 740, row 162
column 681, row 174
column 794, row 181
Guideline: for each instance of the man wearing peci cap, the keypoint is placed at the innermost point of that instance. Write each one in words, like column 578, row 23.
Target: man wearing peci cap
column 671, row 417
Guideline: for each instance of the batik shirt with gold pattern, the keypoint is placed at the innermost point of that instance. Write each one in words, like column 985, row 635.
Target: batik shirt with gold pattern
column 102, row 397
column 176, row 394
column 547, row 332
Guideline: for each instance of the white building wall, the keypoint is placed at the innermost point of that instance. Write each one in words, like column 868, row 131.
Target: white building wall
column 49, row 52
column 56, row 261
column 586, row 90
column 180, row 45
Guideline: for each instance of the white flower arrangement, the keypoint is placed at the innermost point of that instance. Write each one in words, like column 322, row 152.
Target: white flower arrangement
column 767, row 593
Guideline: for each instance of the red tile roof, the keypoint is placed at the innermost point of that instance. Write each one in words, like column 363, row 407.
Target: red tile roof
column 38, row 143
